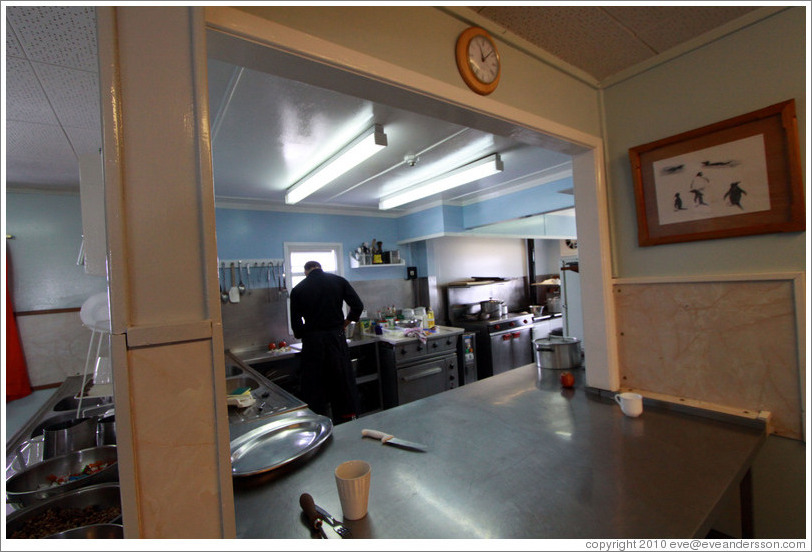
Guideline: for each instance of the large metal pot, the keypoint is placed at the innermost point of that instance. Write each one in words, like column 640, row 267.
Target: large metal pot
column 558, row 353
column 491, row 307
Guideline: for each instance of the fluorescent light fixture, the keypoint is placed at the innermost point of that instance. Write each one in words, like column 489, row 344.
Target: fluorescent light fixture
column 356, row 152
column 462, row 175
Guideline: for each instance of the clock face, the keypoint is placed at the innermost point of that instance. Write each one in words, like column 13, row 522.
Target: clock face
column 483, row 59
column 478, row 60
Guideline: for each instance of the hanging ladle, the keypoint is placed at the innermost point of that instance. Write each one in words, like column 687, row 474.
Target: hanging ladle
column 241, row 286
column 223, row 292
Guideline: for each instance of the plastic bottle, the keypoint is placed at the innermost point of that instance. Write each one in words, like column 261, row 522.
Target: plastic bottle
column 430, row 318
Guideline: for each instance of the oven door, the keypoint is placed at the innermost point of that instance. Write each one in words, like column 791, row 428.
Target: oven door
column 426, row 378
column 511, row 349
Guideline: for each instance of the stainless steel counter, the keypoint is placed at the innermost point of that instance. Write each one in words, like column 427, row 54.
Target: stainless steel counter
column 258, row 355
column 515, row 457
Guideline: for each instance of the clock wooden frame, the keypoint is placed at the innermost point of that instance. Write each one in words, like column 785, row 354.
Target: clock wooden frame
column 467, row 74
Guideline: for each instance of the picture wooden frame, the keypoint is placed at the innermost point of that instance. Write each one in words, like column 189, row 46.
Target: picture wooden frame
column 737, row 177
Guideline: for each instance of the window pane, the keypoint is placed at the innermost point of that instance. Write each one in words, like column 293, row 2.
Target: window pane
column 296, row 279
column 326, row 258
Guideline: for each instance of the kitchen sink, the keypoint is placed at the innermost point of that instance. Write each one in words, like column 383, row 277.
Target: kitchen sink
column 241, row 381
column 232, row 371
column 71, row 403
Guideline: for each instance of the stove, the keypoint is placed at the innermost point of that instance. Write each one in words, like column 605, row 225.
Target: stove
column 504, row 322
column 502, row 343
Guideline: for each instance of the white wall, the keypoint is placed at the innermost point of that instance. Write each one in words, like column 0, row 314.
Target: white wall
column 421, row 39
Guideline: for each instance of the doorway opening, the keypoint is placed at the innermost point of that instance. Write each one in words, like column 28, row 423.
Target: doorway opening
column 295, row 61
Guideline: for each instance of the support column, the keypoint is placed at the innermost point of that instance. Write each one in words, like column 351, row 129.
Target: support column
column 167, row 341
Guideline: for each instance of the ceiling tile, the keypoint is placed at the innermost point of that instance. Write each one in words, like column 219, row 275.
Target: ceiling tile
column 13, row 47
column 664, row 27
column 59, row 35
column 39, row 154
column 74, row 94
column 25, row 99
column 585, row 37
column 84, row 140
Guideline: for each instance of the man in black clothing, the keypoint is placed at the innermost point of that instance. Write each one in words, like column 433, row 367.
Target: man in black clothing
column 318, row 320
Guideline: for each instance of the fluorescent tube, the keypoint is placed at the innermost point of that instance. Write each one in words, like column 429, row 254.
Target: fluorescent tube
column 462, row 175
column 356, row 152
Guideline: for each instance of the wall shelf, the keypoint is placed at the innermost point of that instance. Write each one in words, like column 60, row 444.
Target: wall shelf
column 355, row 264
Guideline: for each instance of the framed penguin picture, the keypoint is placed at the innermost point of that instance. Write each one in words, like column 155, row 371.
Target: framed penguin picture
column 737, row 177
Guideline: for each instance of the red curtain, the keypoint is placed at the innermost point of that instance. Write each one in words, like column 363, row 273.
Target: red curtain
column 17, row 383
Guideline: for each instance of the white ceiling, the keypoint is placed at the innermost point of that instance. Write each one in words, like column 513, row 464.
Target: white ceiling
column 268, row 131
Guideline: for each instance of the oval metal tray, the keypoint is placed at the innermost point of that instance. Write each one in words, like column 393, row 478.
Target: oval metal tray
column 282, row 440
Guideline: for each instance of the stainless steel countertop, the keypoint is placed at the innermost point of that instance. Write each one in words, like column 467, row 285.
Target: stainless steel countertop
column 515, row 456
column 257, row 355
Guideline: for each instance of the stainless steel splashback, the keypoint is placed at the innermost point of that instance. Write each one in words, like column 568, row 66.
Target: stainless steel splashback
column 513, row 292
column 261, row 317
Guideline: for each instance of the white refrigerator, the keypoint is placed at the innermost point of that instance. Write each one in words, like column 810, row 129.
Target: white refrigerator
column 571, row 311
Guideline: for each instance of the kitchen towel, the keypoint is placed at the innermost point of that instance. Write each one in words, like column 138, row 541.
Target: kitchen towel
column 415, row 332
column 17, row 383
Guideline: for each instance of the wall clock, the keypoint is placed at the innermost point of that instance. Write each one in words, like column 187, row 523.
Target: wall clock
column 478, row 60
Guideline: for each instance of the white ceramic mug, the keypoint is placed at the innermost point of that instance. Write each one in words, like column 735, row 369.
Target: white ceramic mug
column 630, row 403
column 352, row 479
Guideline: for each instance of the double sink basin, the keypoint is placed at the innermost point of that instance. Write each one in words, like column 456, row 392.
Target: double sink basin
column 269, row 399
column 25, row 446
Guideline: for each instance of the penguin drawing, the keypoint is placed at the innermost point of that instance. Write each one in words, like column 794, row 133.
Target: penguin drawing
column 699, row 182
column 734, row 195
column 699, row 197
column 678, row 203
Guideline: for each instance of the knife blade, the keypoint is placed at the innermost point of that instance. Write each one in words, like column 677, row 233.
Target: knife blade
column 387, row 439
column 309, row 508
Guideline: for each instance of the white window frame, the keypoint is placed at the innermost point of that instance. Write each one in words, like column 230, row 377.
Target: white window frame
column 303, row 247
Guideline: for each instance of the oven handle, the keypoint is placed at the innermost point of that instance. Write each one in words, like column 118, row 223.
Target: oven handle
column 423, row 374
column 511, row 331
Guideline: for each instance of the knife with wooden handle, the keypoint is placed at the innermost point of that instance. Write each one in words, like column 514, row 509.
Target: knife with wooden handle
column 309, row 508
column 387, row 439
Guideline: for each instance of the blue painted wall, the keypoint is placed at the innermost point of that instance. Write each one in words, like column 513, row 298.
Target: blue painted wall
column 47, row 230
column 251, row 234
column 257, row 234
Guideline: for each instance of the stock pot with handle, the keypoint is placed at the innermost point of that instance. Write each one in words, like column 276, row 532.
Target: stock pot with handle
column 558, row 353
column 491, row 307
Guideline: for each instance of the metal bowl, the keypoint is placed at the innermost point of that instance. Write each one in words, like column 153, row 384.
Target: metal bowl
column 100, row 531
column 32, row 484
column 102, row 496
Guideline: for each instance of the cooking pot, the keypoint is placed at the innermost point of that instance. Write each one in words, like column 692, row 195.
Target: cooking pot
column 491, row 307
column 554, row 304
column 558, row 353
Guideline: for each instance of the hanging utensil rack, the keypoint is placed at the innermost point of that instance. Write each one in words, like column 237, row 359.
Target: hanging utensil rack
column 255, row 272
